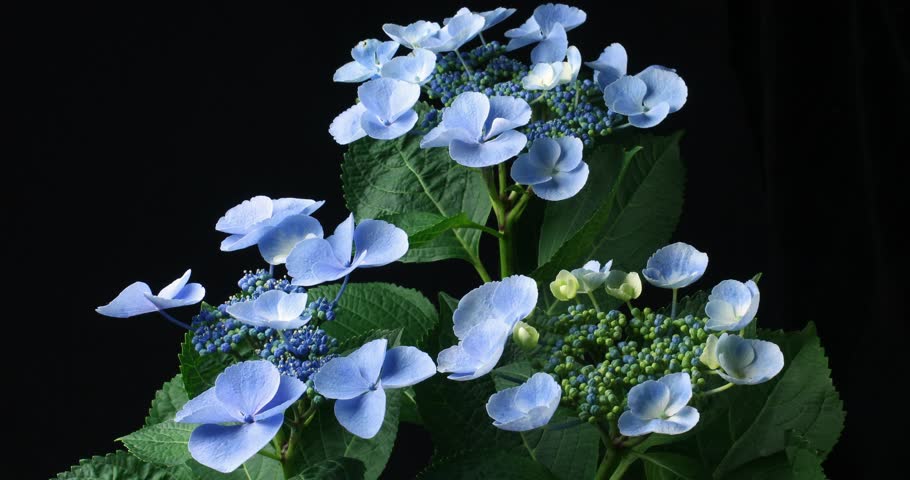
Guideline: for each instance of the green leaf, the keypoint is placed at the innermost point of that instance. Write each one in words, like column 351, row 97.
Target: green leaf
column 353, row 343
column 326, row 439
column 637, row 216
column 334, row 469
column 383, row 178
column 378, row 306
column 671, row 466
column 199, row 371
column 486, row 464
column 423, row 227
column 167, row 401
column 256, row 468
column 163, row 443
column 121, row 465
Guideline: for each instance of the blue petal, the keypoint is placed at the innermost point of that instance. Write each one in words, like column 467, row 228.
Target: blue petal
column 238, row 242
column 563, row 185
column 540, row 390
column 625, row 95
column 753, row 306
column 649, row 399
column 508, row 301
column 241, row 218
column 506, row 113
column 492, row 152
column 381, row 130
column 292, row 306
column 631, row 425
column 245, row 312
column 224, row 448
column 501, row 407
column 289, row 391
column 340, row 378
column 468, row 112
column 664, row 85
column 441, row 136
column 130, row 302
column 342, row 239
column 412, row 35
column 313, row 262
column 552, row 48
column 477, row 353
column 414, row 68
column 494, row 17
column 388, row 98
column 405, row 366
column 369, row 359
column 610, row 65
column 460, row 29
column 176, row 286
column 675, row 266
column 528, row 172
column 550, row 15
column 287, row 207
column 748, row 361
column 682, row 422
column 346, row 127
column 680, row 387
column 206, row 408
column 191, row 294
column 373, row 53
column 570, row 153
column 275, row 309
column 276, row 245
column 247, row 386
column 362, row 415
column 353, row 72
column 652, row 117
column 526, row 407
column 383, row 242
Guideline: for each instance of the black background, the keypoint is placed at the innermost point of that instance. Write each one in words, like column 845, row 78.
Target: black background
column 146, row 122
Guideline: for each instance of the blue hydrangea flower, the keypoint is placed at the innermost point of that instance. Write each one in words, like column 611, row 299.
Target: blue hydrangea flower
column 358, row 382
column 386, row 111
column 548, row 26
column 675, row 266
column 137, row 298
column 746, row 361
column 248, row 222
column 460, row 29
column 553, row 167
column 591, row 275
column 240, row 414
column 411, row 36
column 648, row 97
column 369, row 57
column 374, row 243
column 277, row 243
column 480, row 131
column 527, row 406
column 416, row 67
column 274, row 309
column 543, row 76
column 610, row 66
column 732, row 305
column 483, row 322
column 491, row 18
column 659, row 407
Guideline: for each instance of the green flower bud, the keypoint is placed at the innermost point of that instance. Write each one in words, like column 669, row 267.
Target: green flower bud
column 525, row 336
column 623, row 286
column 565, row 287
column 709, row 355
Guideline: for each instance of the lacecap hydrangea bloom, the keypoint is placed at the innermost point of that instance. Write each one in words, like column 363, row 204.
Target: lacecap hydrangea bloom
column 386, row 111
column 660, row 407
column 247, row 222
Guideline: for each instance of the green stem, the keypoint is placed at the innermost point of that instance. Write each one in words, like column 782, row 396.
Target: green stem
column 673, row 308
column 594, row 302
column 607, row 465
column 717, row 390
column 506, row 254
column 247, row 472
column 629, row 304
column 503, row 180
column 266, row 453
column 482, row 271
column 624, row 465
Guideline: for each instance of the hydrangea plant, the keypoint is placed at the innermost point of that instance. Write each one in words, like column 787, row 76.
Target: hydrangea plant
column 549, row 367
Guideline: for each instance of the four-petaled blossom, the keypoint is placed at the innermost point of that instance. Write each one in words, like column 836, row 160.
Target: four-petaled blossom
column 374, row 243
column 571, row 66
column 525, row 407
column 732, row 305
column 277, row 243
column 565, row 287
column 648, row 97
column 491, row 18
column 137, row 298
column 274, row 309
column 544, row 76
column 480, row 131
column 675, row 266
column 591, row 275
column 251, row 398
column 416, row 67
column 248, row 222
column 484, row 319
column 548, row 26
column 369, row 57
column 460, row 29
column 386, row 111
column 553, row 166
column 411, row 36
column 610, row 66
column 745, row 361
column 659, row 407
column 623, row 286
column 358, row 382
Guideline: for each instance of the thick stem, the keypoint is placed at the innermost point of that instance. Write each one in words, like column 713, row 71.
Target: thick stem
column 607, row 465
column 717, row 390
column 506, row 254
column 673, row 308
column 344, row 286
column 594, row 302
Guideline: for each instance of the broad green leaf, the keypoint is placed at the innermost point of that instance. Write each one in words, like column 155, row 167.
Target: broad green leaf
column 378, row 306
column 486, row 464
column 163, row 443
column 325, row 439
column 626, row 224
column 334, row 469
column 256, row 468
column 353, row 343
column 423, row 227
column 167, row 401
column 121, row 465
column 383, row 178
column 672, row 466
column 409, row 412
column 199, row 371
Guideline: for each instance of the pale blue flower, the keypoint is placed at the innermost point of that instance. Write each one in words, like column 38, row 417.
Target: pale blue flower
column 527, row 406
column 659, row 407
column 591, row 275
column 648, row 97
column 675, row 266
column 137, row 298
column 483, row 322
column 277, row 243
column 411, row 36
column 240, row 414
column 374, row 243
column 386, row 111
column 548, row 26
column 480, row 131
column 369, row 57
column 746, row 361
column 610, row 66
column 461, row 29
column 571, row 66
column 416, row 67
column 732, row 305
column 248, row 222
column 275, row 309
column 491, row 18
column 543, row 76
column 553, row 167
column 358, row 382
